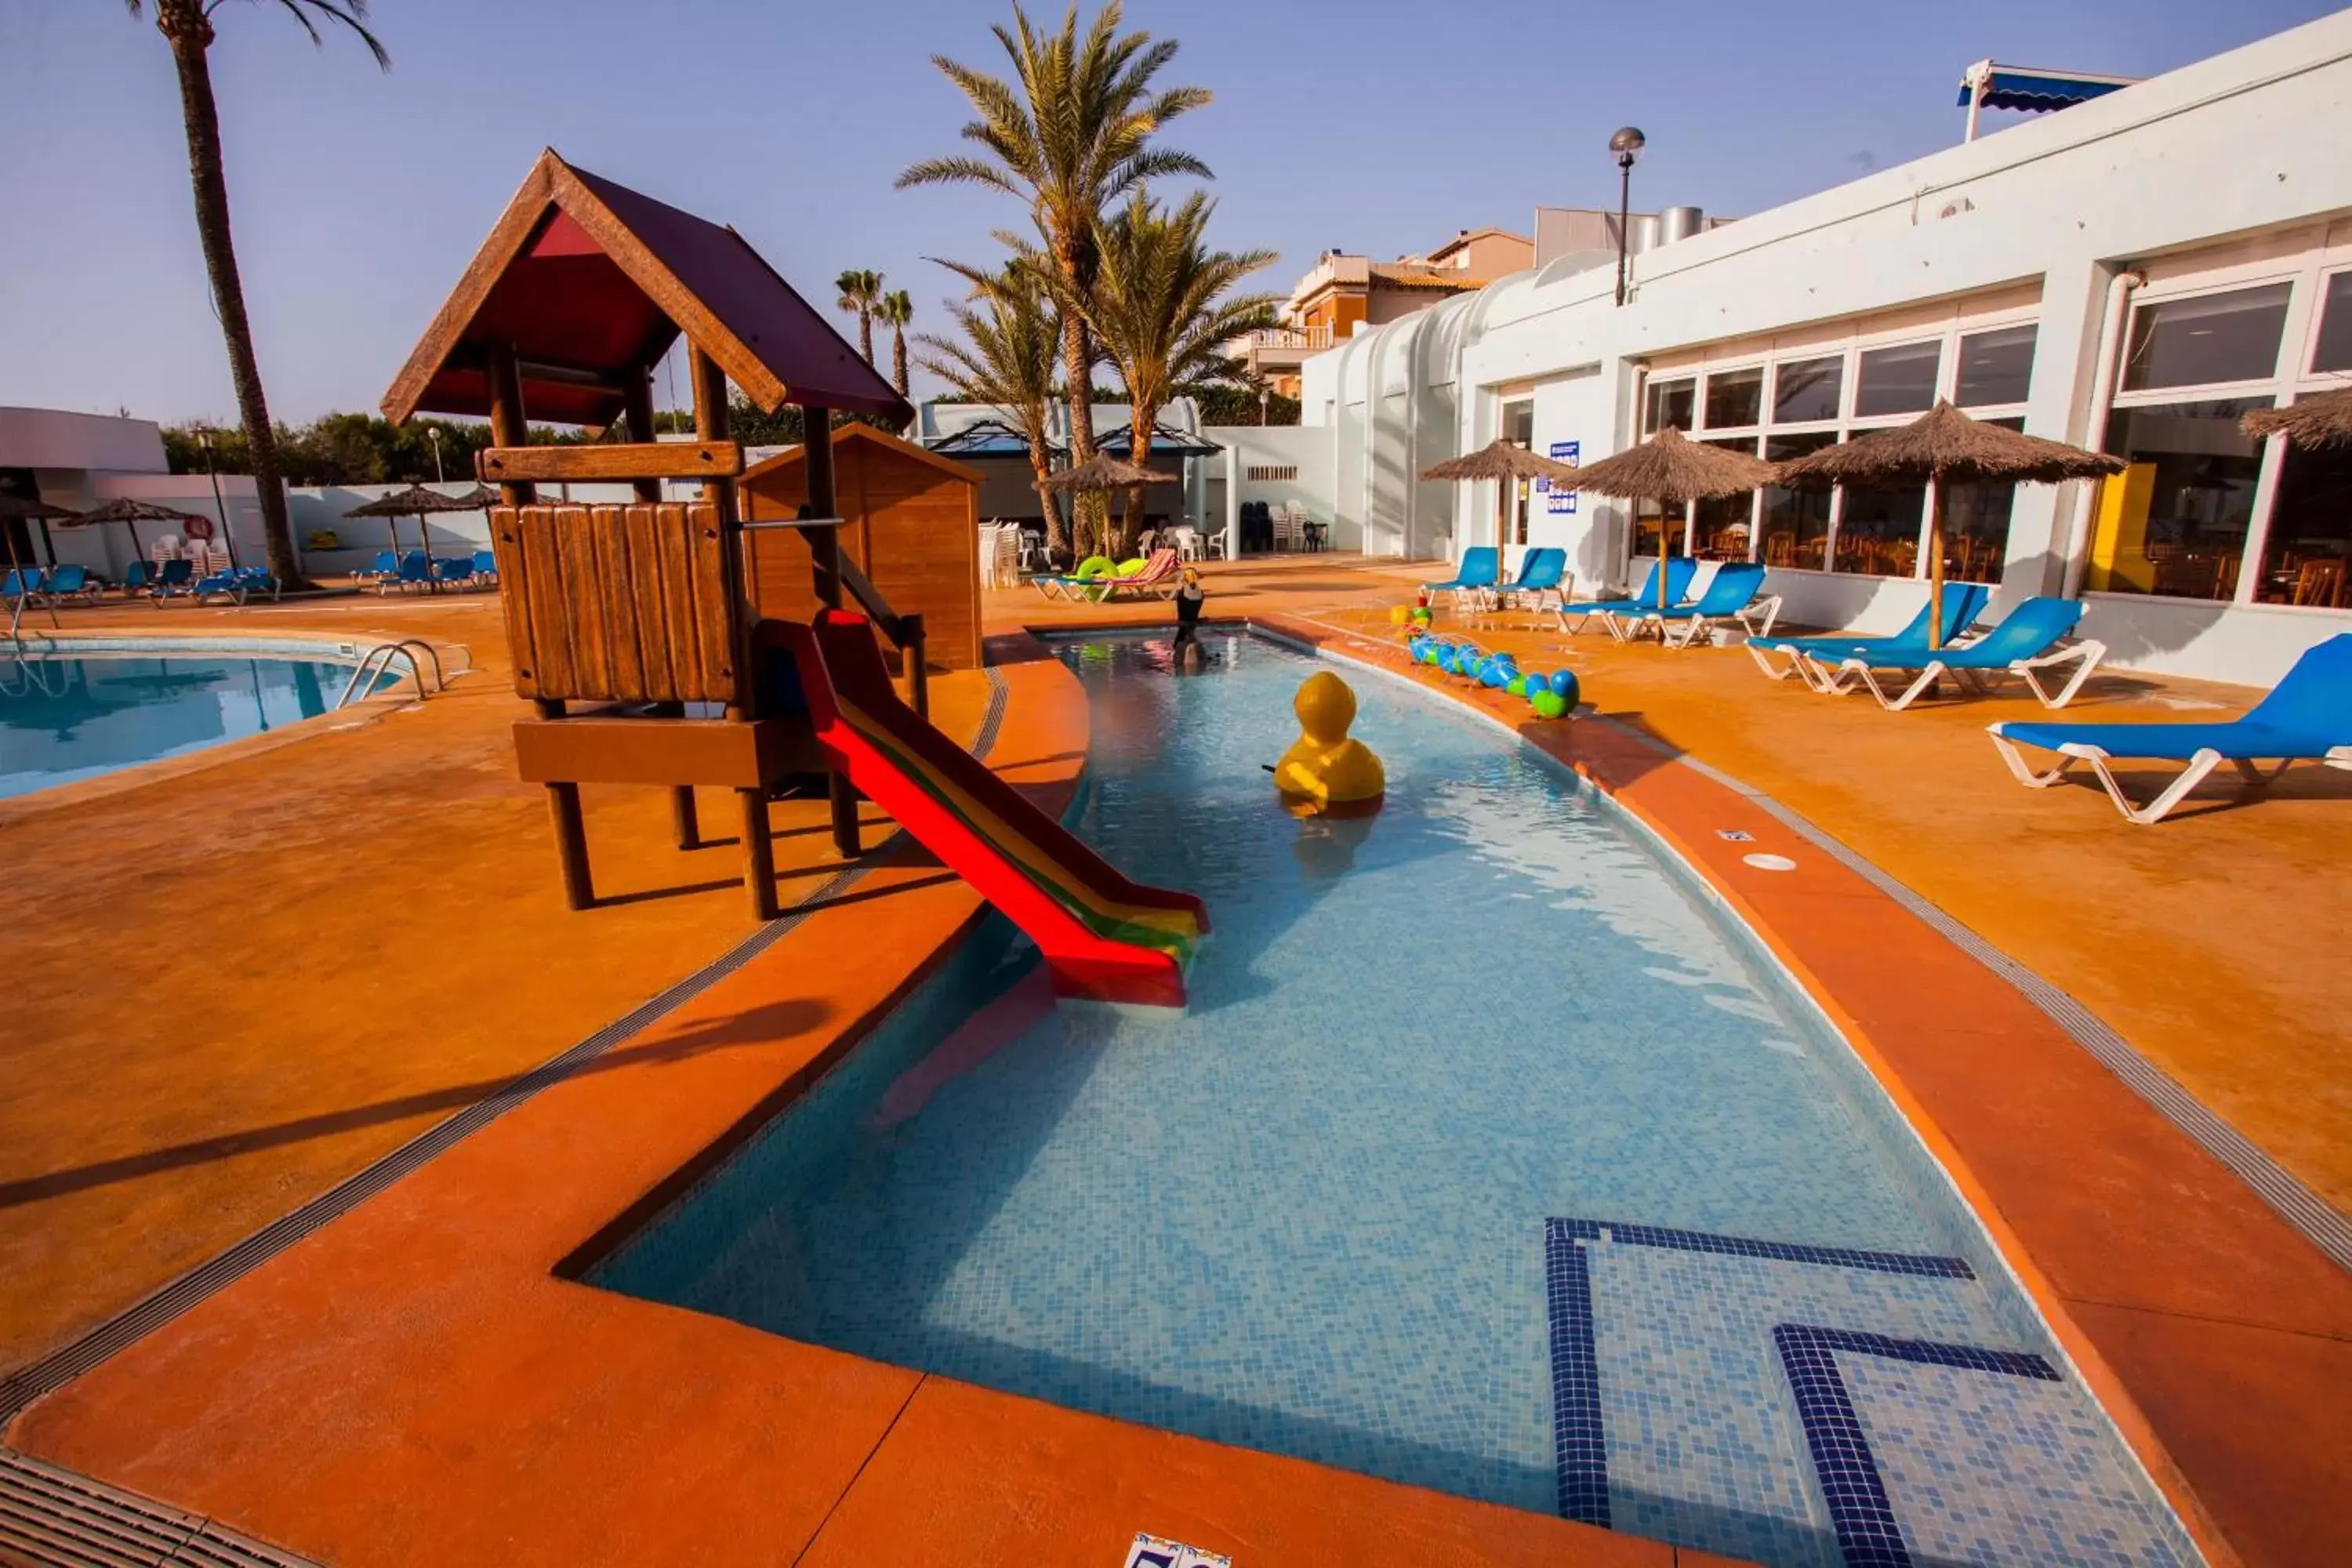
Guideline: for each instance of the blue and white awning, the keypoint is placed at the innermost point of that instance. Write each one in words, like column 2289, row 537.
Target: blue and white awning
column 2031, row 89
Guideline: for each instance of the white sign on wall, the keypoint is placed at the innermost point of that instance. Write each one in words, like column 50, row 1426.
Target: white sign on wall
column 1570, row 453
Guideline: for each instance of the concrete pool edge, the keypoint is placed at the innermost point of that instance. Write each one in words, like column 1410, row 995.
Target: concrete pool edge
column 418, row 1381
column 294, row 647
column 1683, row 807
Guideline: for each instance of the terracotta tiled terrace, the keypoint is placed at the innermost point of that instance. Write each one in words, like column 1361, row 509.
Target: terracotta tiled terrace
column 238, row 979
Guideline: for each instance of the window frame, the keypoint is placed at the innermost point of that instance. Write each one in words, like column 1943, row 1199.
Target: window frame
column 2306, row 275
column 1847, row 349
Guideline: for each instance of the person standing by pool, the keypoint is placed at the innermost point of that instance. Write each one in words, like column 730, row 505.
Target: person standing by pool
column 1189, row 595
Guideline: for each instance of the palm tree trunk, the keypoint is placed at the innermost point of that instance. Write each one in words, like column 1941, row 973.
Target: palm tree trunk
column 866, row 334
column 1089, row 512
column 898, row 359
column 202, row 121
column 1041, row 468
column 1142, row 416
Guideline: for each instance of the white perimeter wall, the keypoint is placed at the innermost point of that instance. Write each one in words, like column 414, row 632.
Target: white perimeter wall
column 2227, row 148
column 1251, row 446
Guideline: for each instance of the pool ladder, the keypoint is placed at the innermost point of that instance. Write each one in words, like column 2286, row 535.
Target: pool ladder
column 376, row 663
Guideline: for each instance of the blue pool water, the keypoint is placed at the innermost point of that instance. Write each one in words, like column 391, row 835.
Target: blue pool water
column 65, row 719
column 1484, row 1158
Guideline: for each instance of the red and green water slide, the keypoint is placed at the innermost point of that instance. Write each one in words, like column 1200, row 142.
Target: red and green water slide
column 1103, row 936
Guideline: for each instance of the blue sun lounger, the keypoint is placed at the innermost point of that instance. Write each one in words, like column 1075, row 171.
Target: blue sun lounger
column 1541, row 572
column 178, row 576
column 1480, row 567
column 2307, row 718
column 2026, row 641
column 1729, row 595
column 1680, row 570
column 1963, row 603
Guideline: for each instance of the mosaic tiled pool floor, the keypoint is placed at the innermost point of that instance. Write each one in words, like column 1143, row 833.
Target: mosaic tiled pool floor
column 1324, row 1212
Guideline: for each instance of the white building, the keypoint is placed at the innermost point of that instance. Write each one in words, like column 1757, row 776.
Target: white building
column 2130, row 274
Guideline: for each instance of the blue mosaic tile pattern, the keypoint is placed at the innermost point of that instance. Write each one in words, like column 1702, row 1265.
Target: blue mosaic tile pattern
column 1580, row 1452
column 1306, row 1215
column 1786, row 1252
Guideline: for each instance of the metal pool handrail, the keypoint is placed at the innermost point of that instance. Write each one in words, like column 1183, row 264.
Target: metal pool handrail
column 377, row 662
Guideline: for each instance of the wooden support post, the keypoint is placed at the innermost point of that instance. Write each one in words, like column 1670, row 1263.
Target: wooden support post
column 683, row 818
column 637, row 410
column 759, row 854
column 911, row 666
column 571, row 843
column 510, row 427
column 825, row 553
column 709, row 384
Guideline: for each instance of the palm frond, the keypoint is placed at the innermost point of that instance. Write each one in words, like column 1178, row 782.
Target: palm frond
column 352, row 13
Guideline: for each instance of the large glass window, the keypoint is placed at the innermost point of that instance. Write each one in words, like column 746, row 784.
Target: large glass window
column 1807, row 389
column 1996, row 367
column 2304, row 559
column 2175, row 522
column 2211, row 338
column 1734, row 398
column 1878, row 530
column 1669, row 405
column 1796, row 523
column 1899, row 379
column 1720, row 526
column 1976, row 525
column 2334, row 349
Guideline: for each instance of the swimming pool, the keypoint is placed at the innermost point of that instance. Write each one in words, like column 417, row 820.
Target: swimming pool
column 64, row 718
column 1486, row 1158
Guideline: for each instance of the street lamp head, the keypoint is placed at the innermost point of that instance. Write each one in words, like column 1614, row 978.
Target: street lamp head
column 1627, row 143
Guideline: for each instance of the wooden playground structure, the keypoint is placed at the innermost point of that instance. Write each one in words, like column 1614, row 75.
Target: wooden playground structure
column 676, row 644
column 632, row 625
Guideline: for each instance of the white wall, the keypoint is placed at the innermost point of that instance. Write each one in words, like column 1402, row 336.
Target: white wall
column 2219, row 150
column 1278, row 445
column 57, row 439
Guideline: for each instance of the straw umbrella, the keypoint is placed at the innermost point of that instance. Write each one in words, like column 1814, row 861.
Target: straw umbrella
column 1103, row 472
column 1945, row 443
column 2323, row 419
column 40, row 512
column 1503, row 460
column 131, row 514
column 1673, row 472
column 418, row 502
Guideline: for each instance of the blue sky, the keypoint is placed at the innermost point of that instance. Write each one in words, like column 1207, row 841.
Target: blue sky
column 1364, row 126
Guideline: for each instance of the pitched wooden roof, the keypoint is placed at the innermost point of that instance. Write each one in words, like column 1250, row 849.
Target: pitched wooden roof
column 590, row 280
column 791, row 457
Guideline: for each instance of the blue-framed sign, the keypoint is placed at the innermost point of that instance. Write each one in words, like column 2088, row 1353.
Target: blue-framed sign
column 1570, row 453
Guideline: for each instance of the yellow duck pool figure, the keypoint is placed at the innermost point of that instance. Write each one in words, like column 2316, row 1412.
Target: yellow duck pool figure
column 1324, row 769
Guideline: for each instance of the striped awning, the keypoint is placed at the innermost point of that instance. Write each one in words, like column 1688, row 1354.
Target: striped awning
column 2031, row 89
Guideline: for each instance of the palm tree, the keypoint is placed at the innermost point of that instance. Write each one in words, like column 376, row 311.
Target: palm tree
column 895, row 311
column 860, row 292
column 1164, row 309
column 187, row 27
column 1068, row 136
column 1012, row 337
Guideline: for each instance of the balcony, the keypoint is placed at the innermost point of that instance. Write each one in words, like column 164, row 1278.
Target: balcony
column 1278, row 351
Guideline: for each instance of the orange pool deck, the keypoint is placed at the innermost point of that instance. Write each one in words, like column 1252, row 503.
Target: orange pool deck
column 420, row 1379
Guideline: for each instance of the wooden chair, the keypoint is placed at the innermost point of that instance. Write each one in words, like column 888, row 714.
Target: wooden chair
column 2321, row 582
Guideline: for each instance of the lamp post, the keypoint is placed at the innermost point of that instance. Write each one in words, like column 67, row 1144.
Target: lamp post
column 1627, row 143
column 433, row 434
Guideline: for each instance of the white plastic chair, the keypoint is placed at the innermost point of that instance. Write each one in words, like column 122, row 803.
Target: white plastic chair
column 1008, row 556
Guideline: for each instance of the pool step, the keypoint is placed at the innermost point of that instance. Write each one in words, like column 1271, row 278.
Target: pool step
column 1797, row 1404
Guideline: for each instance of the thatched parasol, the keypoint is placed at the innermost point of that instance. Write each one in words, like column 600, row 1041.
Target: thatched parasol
column 1507, row 461
column 131, row 514
column 418, row 502
column 1944, row 443
column 40, row 512
column 2322, row 419
column 1672, row 471
column 1104, row 472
